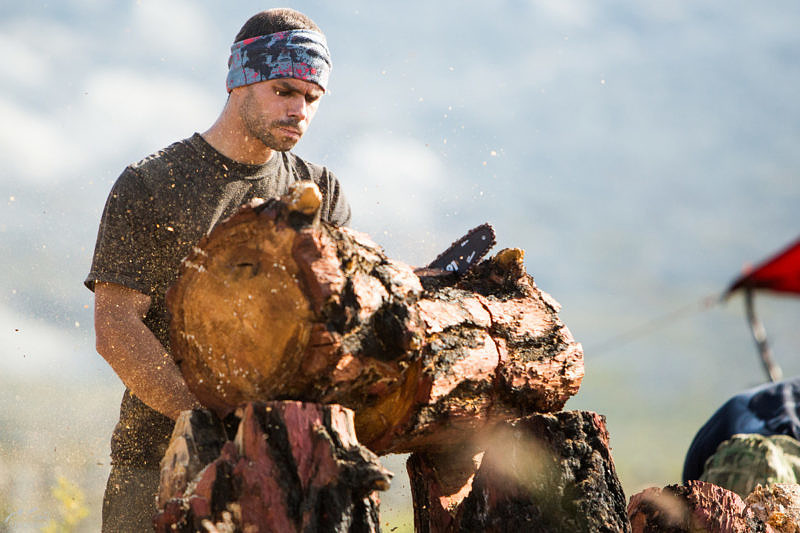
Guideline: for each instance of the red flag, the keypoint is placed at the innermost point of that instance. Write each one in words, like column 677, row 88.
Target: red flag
column 780, row 273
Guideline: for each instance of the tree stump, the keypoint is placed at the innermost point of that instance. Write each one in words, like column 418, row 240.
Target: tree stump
column 197, row 440
column 291, row 467
column 542, row 473
column 273, row 304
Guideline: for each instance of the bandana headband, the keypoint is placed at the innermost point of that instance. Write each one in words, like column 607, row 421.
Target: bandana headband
column 299, row 54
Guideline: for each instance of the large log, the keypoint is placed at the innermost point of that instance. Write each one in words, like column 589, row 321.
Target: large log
column 543, row 473
column 290, row 467
column 274, row 304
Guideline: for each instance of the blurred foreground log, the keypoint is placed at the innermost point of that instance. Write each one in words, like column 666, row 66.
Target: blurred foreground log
column 542, row 473
column 692, row 506
column 291, row 467
column 702, row 506
column 778, row 506
column 274, row 304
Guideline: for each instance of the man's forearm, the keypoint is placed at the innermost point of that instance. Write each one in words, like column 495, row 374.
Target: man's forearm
column 144, row 366
column 135, row 354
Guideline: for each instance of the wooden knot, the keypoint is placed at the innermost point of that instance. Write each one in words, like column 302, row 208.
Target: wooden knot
column 510, row 259
column 303, row 197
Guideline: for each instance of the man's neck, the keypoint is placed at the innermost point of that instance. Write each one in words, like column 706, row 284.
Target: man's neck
column 227, row 137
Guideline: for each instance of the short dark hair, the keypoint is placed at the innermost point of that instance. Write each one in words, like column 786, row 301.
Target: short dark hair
column 273, row 21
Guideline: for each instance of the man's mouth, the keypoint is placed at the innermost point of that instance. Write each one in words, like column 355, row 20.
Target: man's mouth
column 291, row 131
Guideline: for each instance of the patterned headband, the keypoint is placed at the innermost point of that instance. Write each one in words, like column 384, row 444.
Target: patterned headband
column 300, row 54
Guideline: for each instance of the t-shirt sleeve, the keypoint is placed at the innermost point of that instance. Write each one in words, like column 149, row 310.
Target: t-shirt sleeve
column 339, row 211
column 124, row 239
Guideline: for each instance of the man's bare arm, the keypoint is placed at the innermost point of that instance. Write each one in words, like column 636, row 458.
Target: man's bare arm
column 138, row 358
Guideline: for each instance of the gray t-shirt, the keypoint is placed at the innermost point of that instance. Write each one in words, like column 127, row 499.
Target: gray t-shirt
column 158, row 209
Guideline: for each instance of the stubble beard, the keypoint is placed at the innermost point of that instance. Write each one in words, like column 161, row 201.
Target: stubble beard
column 261, row 129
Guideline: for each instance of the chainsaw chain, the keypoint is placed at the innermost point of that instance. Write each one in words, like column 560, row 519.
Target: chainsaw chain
column 467, row 251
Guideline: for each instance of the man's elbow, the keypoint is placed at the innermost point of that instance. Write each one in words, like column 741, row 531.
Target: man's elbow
column 118, row 313
column 110, row 331
column 104, row 341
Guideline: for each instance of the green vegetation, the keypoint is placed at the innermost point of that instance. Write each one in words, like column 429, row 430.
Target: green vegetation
column 5, row 515
column 71, row 507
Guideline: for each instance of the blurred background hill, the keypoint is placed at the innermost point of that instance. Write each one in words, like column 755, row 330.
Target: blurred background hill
column 641, row 154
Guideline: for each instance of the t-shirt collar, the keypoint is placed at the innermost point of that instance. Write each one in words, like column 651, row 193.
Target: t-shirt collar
column 228, row 165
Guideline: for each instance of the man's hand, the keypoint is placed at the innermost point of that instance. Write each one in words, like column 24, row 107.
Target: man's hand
column 138, row 358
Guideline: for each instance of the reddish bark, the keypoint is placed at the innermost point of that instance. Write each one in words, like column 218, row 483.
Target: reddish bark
column 196, row 441
column 291, row 467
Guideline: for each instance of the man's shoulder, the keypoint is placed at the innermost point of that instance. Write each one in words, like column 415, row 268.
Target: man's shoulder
column 305, row 169
column 165, row 162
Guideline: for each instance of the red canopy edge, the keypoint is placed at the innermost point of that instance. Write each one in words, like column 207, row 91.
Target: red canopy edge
column 780, row 273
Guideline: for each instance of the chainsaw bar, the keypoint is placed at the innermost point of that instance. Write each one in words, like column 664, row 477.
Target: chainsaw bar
column 466, row 251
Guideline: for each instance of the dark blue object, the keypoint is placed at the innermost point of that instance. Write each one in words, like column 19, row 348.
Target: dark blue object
column 770, row 409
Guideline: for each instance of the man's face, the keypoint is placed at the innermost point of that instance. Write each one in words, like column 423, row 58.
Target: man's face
column 278, row 112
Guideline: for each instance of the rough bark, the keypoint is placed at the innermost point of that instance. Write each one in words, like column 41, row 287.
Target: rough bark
column 439, row 483
column 196, row 441
column 777, row 505
column 543, row 473
column 274, row 304
column 692, row 507
column 291, row 467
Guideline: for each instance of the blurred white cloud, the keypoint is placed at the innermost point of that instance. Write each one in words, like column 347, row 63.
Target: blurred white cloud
column 33, row 348
column 125, row 108
column 33, row 145
column 23, row 64
column 130, row 99
column 578, row 13
column 37, row 50
column 120, row 109
column 176, row 28
column 398, row 184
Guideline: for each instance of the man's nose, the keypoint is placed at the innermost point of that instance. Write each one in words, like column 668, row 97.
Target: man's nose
column 298, row 107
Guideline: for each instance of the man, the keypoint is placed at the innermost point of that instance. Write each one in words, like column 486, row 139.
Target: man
column 161, row 206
